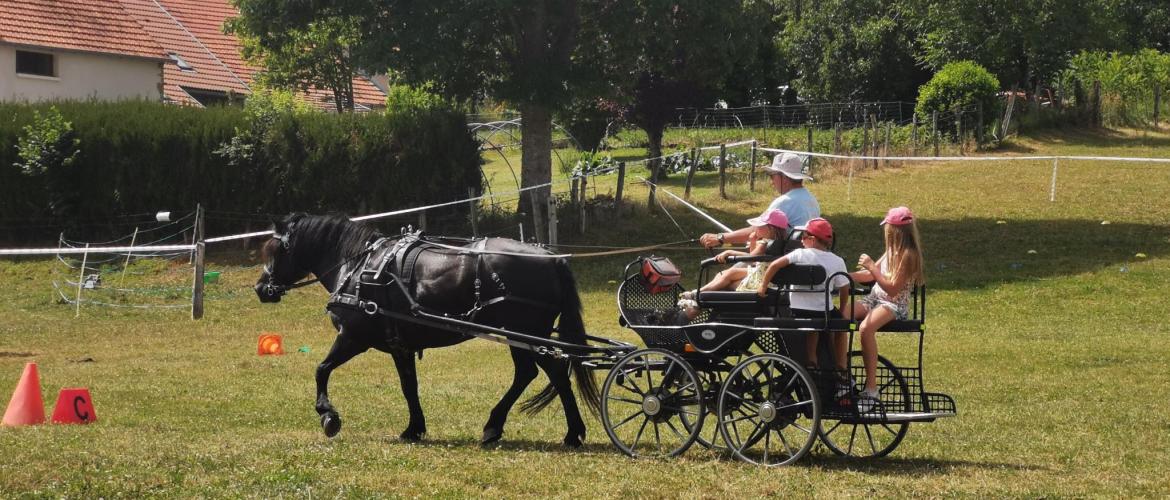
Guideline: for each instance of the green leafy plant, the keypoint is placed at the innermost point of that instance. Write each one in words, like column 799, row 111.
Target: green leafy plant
column 958, row 84
column 48, row 149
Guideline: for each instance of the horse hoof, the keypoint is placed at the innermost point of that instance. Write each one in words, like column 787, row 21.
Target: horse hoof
column 412, row 436
column 331, row 423
column 574, row 441
column 491, row 436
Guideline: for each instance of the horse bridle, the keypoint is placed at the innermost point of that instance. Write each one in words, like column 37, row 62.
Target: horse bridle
column 277, row 290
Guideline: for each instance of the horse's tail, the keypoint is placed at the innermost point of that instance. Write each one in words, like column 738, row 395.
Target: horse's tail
column 572, row 329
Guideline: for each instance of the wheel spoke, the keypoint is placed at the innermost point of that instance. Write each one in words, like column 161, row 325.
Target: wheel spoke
column 755, row 436
column 676, row 432
column 625, row 400
column 680, row 410
column 830, row 431
column 852, row 438
column 767, row 443
column 629, row 379
column 802, row 429
column 888, row 429
column 639, row 436
column 869, row 435
column 649, row 375
column 794, row 405
column 787, row 448
column 657, row 438
column 627, row 419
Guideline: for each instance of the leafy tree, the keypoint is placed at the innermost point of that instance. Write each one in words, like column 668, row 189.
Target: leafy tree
column 512, row 50
column 850, row 50
column 680, row 53
column 48, row 149
column 1020, row 41
column 316, row 54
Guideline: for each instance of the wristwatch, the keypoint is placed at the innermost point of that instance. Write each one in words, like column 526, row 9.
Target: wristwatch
column 720, row 238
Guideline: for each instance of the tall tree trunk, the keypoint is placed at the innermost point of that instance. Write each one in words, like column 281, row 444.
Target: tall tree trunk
column 535, row 163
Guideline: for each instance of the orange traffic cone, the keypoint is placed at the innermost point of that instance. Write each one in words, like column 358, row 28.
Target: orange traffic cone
column 74, row 406
column 270, row 343
column 26, row 406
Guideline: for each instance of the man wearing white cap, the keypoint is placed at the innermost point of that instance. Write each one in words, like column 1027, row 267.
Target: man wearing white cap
column 787, row 174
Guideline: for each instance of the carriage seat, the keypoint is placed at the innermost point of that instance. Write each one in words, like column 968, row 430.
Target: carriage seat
column 771, row 305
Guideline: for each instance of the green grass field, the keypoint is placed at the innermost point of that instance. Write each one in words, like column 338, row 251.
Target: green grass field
column 1044, row 324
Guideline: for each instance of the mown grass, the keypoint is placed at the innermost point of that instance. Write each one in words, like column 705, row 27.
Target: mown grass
column 1055, row 357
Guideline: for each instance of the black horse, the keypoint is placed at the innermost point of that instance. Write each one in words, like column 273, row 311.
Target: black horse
column 537, row 289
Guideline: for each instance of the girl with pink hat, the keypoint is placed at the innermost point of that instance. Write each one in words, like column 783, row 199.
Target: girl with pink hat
column 770, row 226
column 894, row 274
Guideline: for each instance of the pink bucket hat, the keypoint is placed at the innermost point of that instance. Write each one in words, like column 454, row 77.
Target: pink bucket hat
column 898, row 216
column 773, row 217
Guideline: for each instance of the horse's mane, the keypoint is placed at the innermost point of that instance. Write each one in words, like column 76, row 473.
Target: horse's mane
column 314, row 234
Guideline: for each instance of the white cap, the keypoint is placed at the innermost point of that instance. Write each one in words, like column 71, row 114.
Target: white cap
column 789, row 164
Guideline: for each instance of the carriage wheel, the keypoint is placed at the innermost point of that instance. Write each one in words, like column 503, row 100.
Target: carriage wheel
column 860, row 438
column 652, row 404
column 769, row 410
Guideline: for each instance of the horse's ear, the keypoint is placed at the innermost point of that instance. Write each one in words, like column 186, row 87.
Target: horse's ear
column 279, row 226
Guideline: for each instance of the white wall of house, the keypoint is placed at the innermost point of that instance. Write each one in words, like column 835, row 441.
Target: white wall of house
column 81, row 75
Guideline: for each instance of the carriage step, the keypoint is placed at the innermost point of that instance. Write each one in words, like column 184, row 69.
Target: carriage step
column 916, row 416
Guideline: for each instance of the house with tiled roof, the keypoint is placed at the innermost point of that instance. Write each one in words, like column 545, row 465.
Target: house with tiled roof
column 76, row 49
column 201, row 64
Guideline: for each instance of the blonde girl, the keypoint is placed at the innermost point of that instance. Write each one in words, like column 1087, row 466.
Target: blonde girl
column 895, row 274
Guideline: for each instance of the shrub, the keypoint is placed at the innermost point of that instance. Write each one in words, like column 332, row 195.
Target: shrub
column 961, row 83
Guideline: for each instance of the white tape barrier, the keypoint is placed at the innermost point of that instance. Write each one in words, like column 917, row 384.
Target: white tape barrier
column 1055, row 162
column 966, row 158
column 58, row 251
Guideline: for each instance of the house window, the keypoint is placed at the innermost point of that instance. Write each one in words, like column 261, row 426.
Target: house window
column 183, row 66
column 35, row 63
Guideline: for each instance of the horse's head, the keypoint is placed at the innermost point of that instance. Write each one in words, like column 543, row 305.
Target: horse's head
column 280, row 265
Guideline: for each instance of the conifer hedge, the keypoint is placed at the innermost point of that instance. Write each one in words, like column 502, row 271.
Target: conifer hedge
column 142, row 157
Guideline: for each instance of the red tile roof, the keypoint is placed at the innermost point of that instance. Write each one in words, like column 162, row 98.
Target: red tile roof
column 86, row 25
column 190, row 29
column 207, row 71
column 203, row 20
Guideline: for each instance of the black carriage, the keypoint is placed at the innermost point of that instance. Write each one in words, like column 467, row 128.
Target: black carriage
column 742, row 361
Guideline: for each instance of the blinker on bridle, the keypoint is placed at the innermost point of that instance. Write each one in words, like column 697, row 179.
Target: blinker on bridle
column 274, row 290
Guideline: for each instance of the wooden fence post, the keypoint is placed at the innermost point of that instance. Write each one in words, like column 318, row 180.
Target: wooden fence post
column 752, row 168
column 653, row 185
column 691, row 171
column 886, row 148
column 422, row 221
column 723, row 170
column 837, row 138
column 914, row 134
column 959, row 127
column 1157, row 103
column 200, row 251
column 621, row 180
column 1096, row 103
column 934, row 130
column 864, row 140
column 552, row 220
column 810, row 139
column 979, row 126
column 473, row 205
column 875, row 138
column 573, row 190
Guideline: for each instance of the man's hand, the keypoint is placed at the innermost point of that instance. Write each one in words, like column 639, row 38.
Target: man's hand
column 710, row 240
